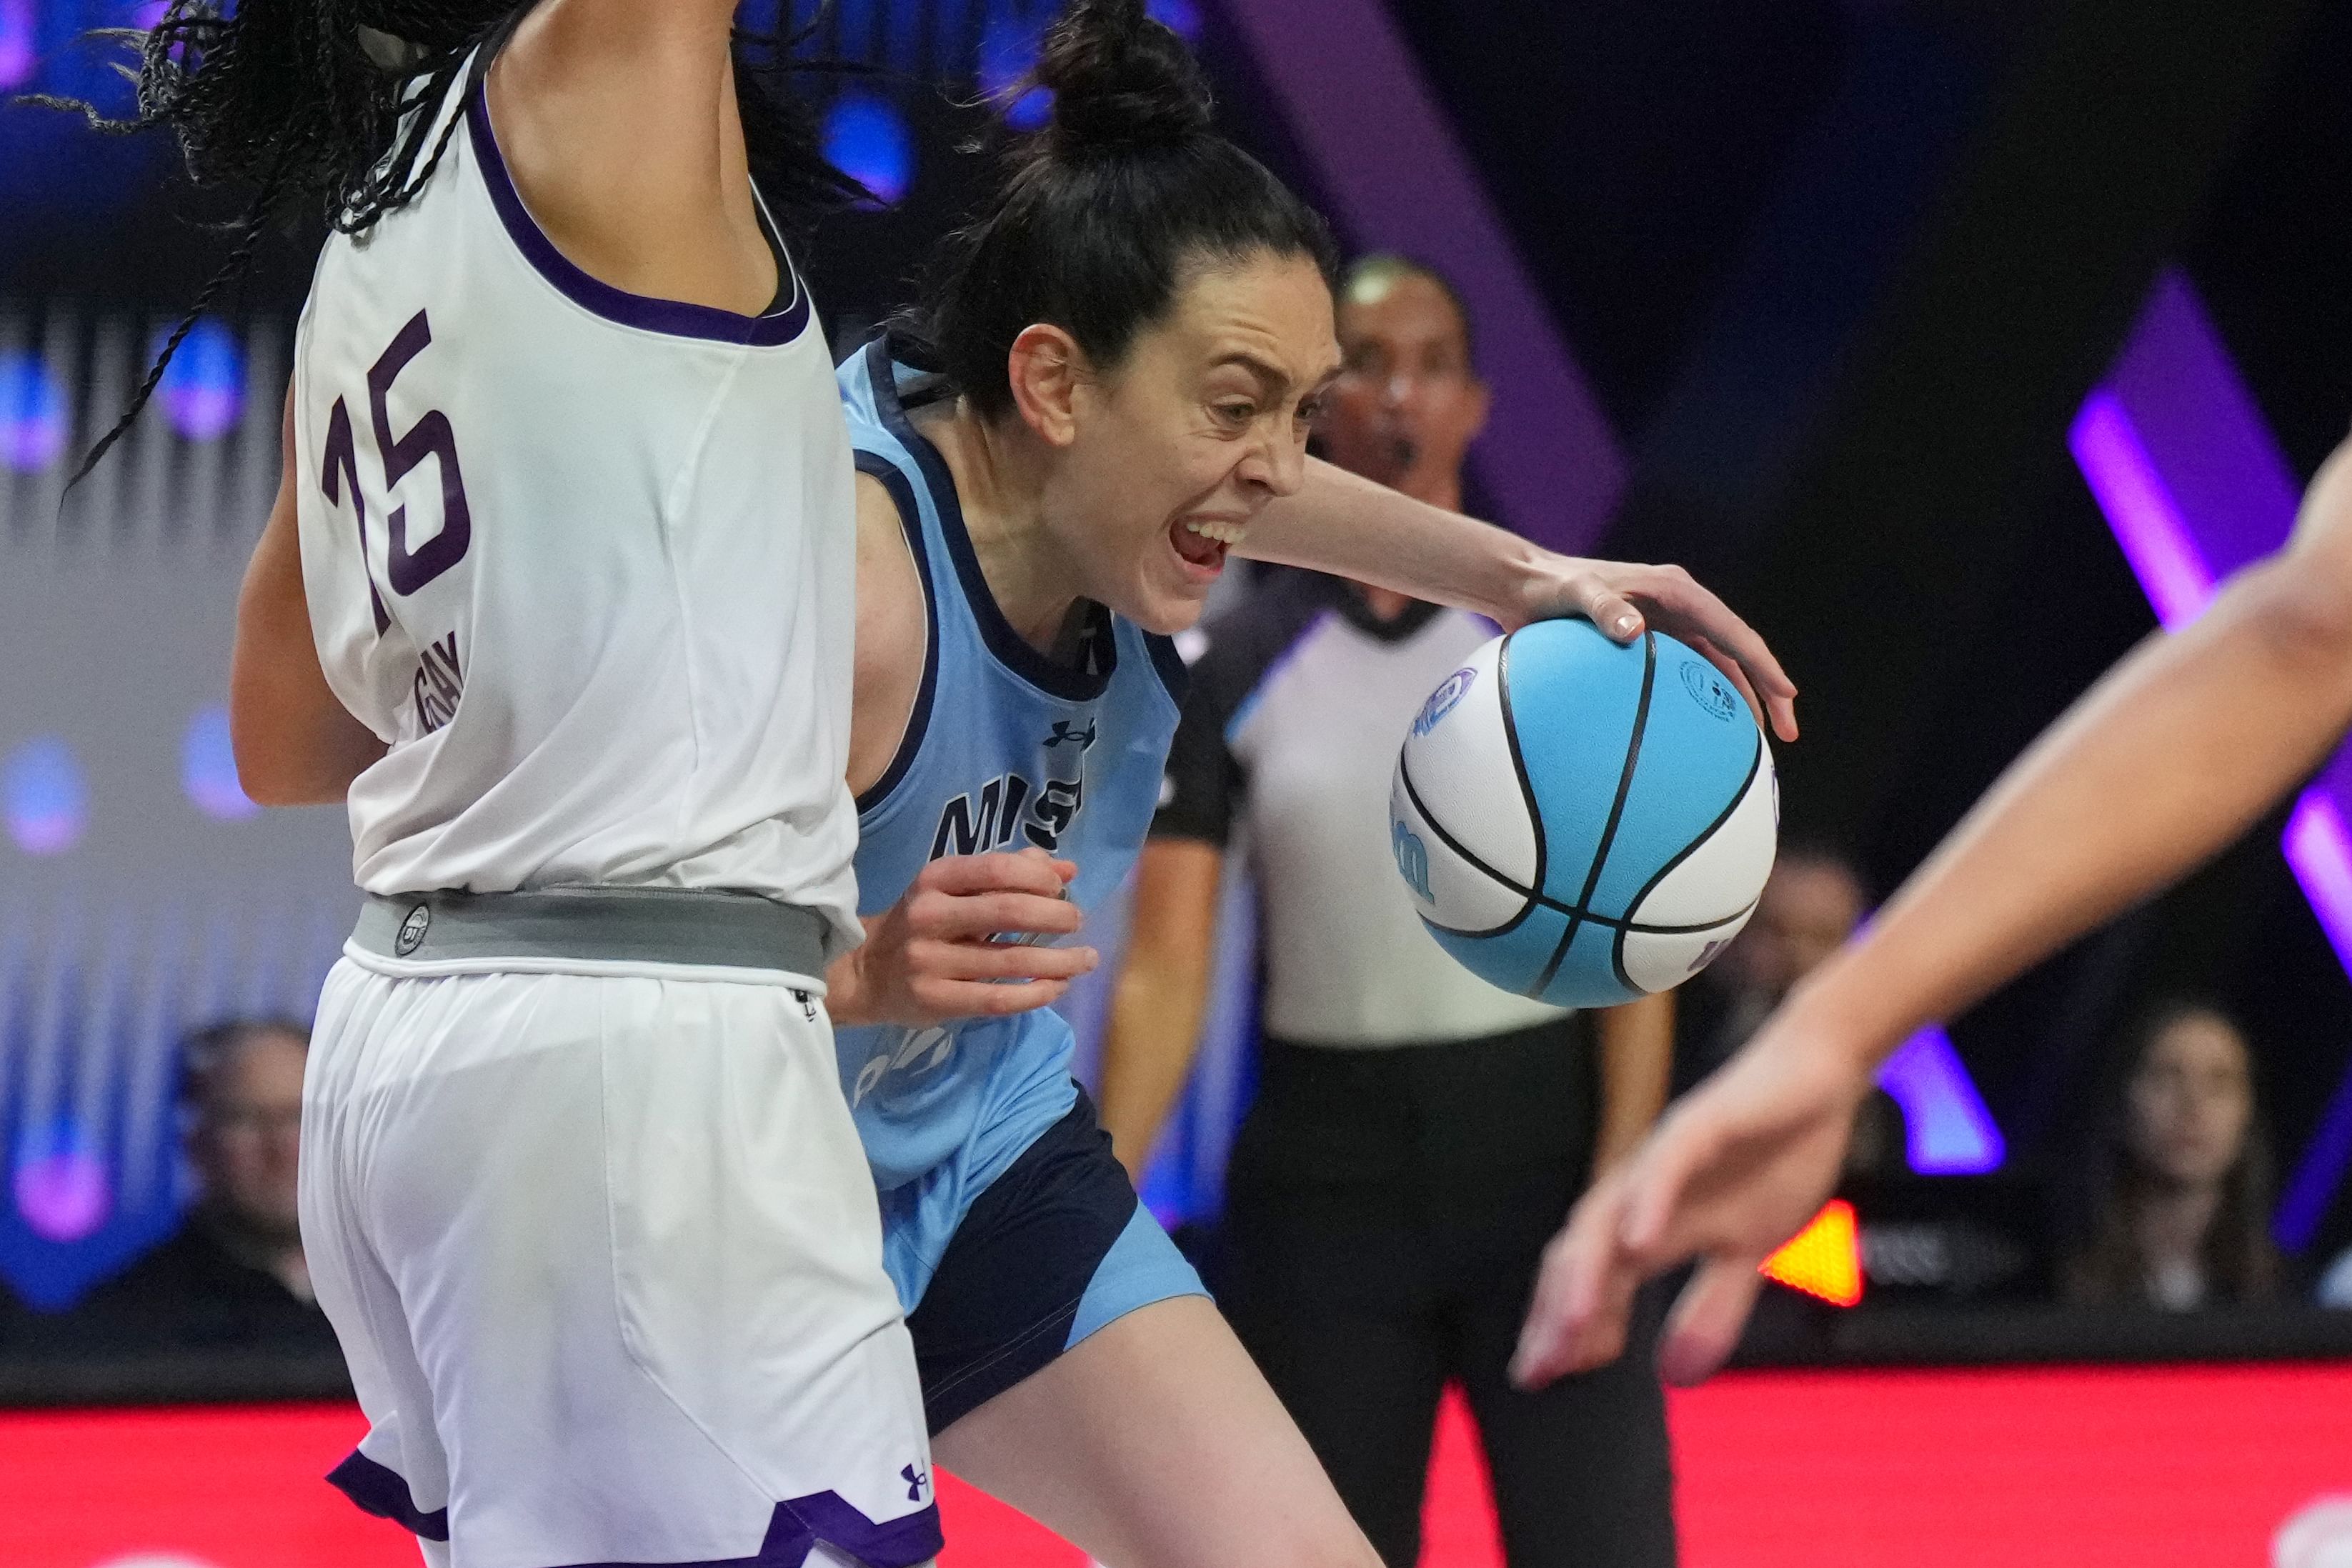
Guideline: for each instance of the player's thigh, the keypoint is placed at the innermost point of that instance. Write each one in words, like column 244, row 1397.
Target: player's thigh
column 1155, row 1443
column 400, row 1467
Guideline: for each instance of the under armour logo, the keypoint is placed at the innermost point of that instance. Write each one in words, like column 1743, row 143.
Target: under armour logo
column 1064, row 730
column 916, row 1479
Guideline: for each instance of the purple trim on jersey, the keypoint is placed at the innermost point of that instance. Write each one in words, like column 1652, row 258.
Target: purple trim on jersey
column 793, row 1531
column 380, row 1490
column 800, row 1524
column 673, row 316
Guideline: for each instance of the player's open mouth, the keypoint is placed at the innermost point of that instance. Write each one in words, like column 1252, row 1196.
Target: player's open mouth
column 1203, row 542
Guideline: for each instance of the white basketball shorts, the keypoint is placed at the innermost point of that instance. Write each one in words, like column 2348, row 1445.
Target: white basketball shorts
column 606, row 1259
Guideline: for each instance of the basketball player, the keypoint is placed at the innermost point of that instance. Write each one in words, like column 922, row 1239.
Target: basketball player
column 1110, row 389
column 556, row 594
column 2169, row 757
column 1417, row 1133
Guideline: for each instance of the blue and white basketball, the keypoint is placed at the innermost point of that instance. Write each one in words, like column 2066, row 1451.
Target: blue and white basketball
column 1582, row 821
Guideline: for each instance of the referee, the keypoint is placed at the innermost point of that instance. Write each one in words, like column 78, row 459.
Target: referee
column 1418, row 1135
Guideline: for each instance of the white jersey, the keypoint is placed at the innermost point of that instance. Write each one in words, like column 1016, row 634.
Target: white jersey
column 583, row 560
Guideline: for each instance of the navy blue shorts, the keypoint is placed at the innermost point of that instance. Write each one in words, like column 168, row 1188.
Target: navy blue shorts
column 1054, row 1250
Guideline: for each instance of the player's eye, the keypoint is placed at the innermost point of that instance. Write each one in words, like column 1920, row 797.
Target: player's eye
column 1237, row 413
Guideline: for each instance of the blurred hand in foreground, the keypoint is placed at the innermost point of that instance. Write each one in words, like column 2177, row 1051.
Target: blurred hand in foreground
column 1735, row 1169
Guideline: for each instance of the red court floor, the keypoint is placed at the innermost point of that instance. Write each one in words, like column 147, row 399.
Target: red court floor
column 2181, row 1466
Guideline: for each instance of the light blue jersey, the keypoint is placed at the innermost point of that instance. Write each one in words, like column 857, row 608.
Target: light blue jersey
column 1005, row 749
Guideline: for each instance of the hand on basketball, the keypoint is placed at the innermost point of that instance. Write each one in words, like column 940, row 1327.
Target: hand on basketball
column 1621, row 598
column 1733, row 1170
column 959, row 943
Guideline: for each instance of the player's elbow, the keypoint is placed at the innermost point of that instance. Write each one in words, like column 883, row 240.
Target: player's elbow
column 267, row 781
column 262, row 791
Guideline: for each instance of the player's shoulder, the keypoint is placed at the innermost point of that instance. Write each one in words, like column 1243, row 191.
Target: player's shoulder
column 859, row 379
column 885, row 376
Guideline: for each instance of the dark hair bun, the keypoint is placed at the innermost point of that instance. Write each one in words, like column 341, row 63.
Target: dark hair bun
column 1121, row 82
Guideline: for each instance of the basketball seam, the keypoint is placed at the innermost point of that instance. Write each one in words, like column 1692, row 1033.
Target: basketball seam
column 1630, row 928
column 1739, row 799
column 1519, row 769
column 1578, row 914
column 1616, row 813
column 1538, row 900
column 1532, row 898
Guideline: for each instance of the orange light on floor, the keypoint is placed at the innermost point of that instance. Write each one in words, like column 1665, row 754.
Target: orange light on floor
column 1823, row 1259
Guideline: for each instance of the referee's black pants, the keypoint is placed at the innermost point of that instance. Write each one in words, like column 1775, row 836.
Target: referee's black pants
column 1386, row 1212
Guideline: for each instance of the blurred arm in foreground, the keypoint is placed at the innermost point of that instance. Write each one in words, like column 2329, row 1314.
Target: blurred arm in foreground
column 2169, row 758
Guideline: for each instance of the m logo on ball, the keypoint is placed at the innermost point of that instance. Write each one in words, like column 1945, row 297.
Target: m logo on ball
column 1412, row 858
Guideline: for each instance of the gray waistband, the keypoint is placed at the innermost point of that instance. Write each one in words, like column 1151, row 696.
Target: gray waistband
column 597, row 925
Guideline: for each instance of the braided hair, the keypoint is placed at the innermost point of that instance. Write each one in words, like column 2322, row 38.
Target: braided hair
column 305, row 104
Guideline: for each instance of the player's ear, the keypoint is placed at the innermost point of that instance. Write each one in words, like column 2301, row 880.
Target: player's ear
column 1045, row 368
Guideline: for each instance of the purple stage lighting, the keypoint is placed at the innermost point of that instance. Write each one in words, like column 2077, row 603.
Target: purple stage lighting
column 2194, row 486
column 1182, row 17
column 1947, row 1129
column 867, row 139
column 203, row 389
column 1008, row 52
column 2146, row 524
column 17, row 54
column 2321, row 852
column 1031, row 110
column 47, row 803
column 60, row 1188
column 35, row 419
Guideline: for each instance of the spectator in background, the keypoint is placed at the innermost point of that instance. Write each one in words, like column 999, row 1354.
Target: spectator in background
column 2180, row 1204
column 233, row 1278
column 1417, row 1131
column 1812, row 903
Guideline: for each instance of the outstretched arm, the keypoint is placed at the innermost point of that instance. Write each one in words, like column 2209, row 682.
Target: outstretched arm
column 1350, row 527
column 2173, row 755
